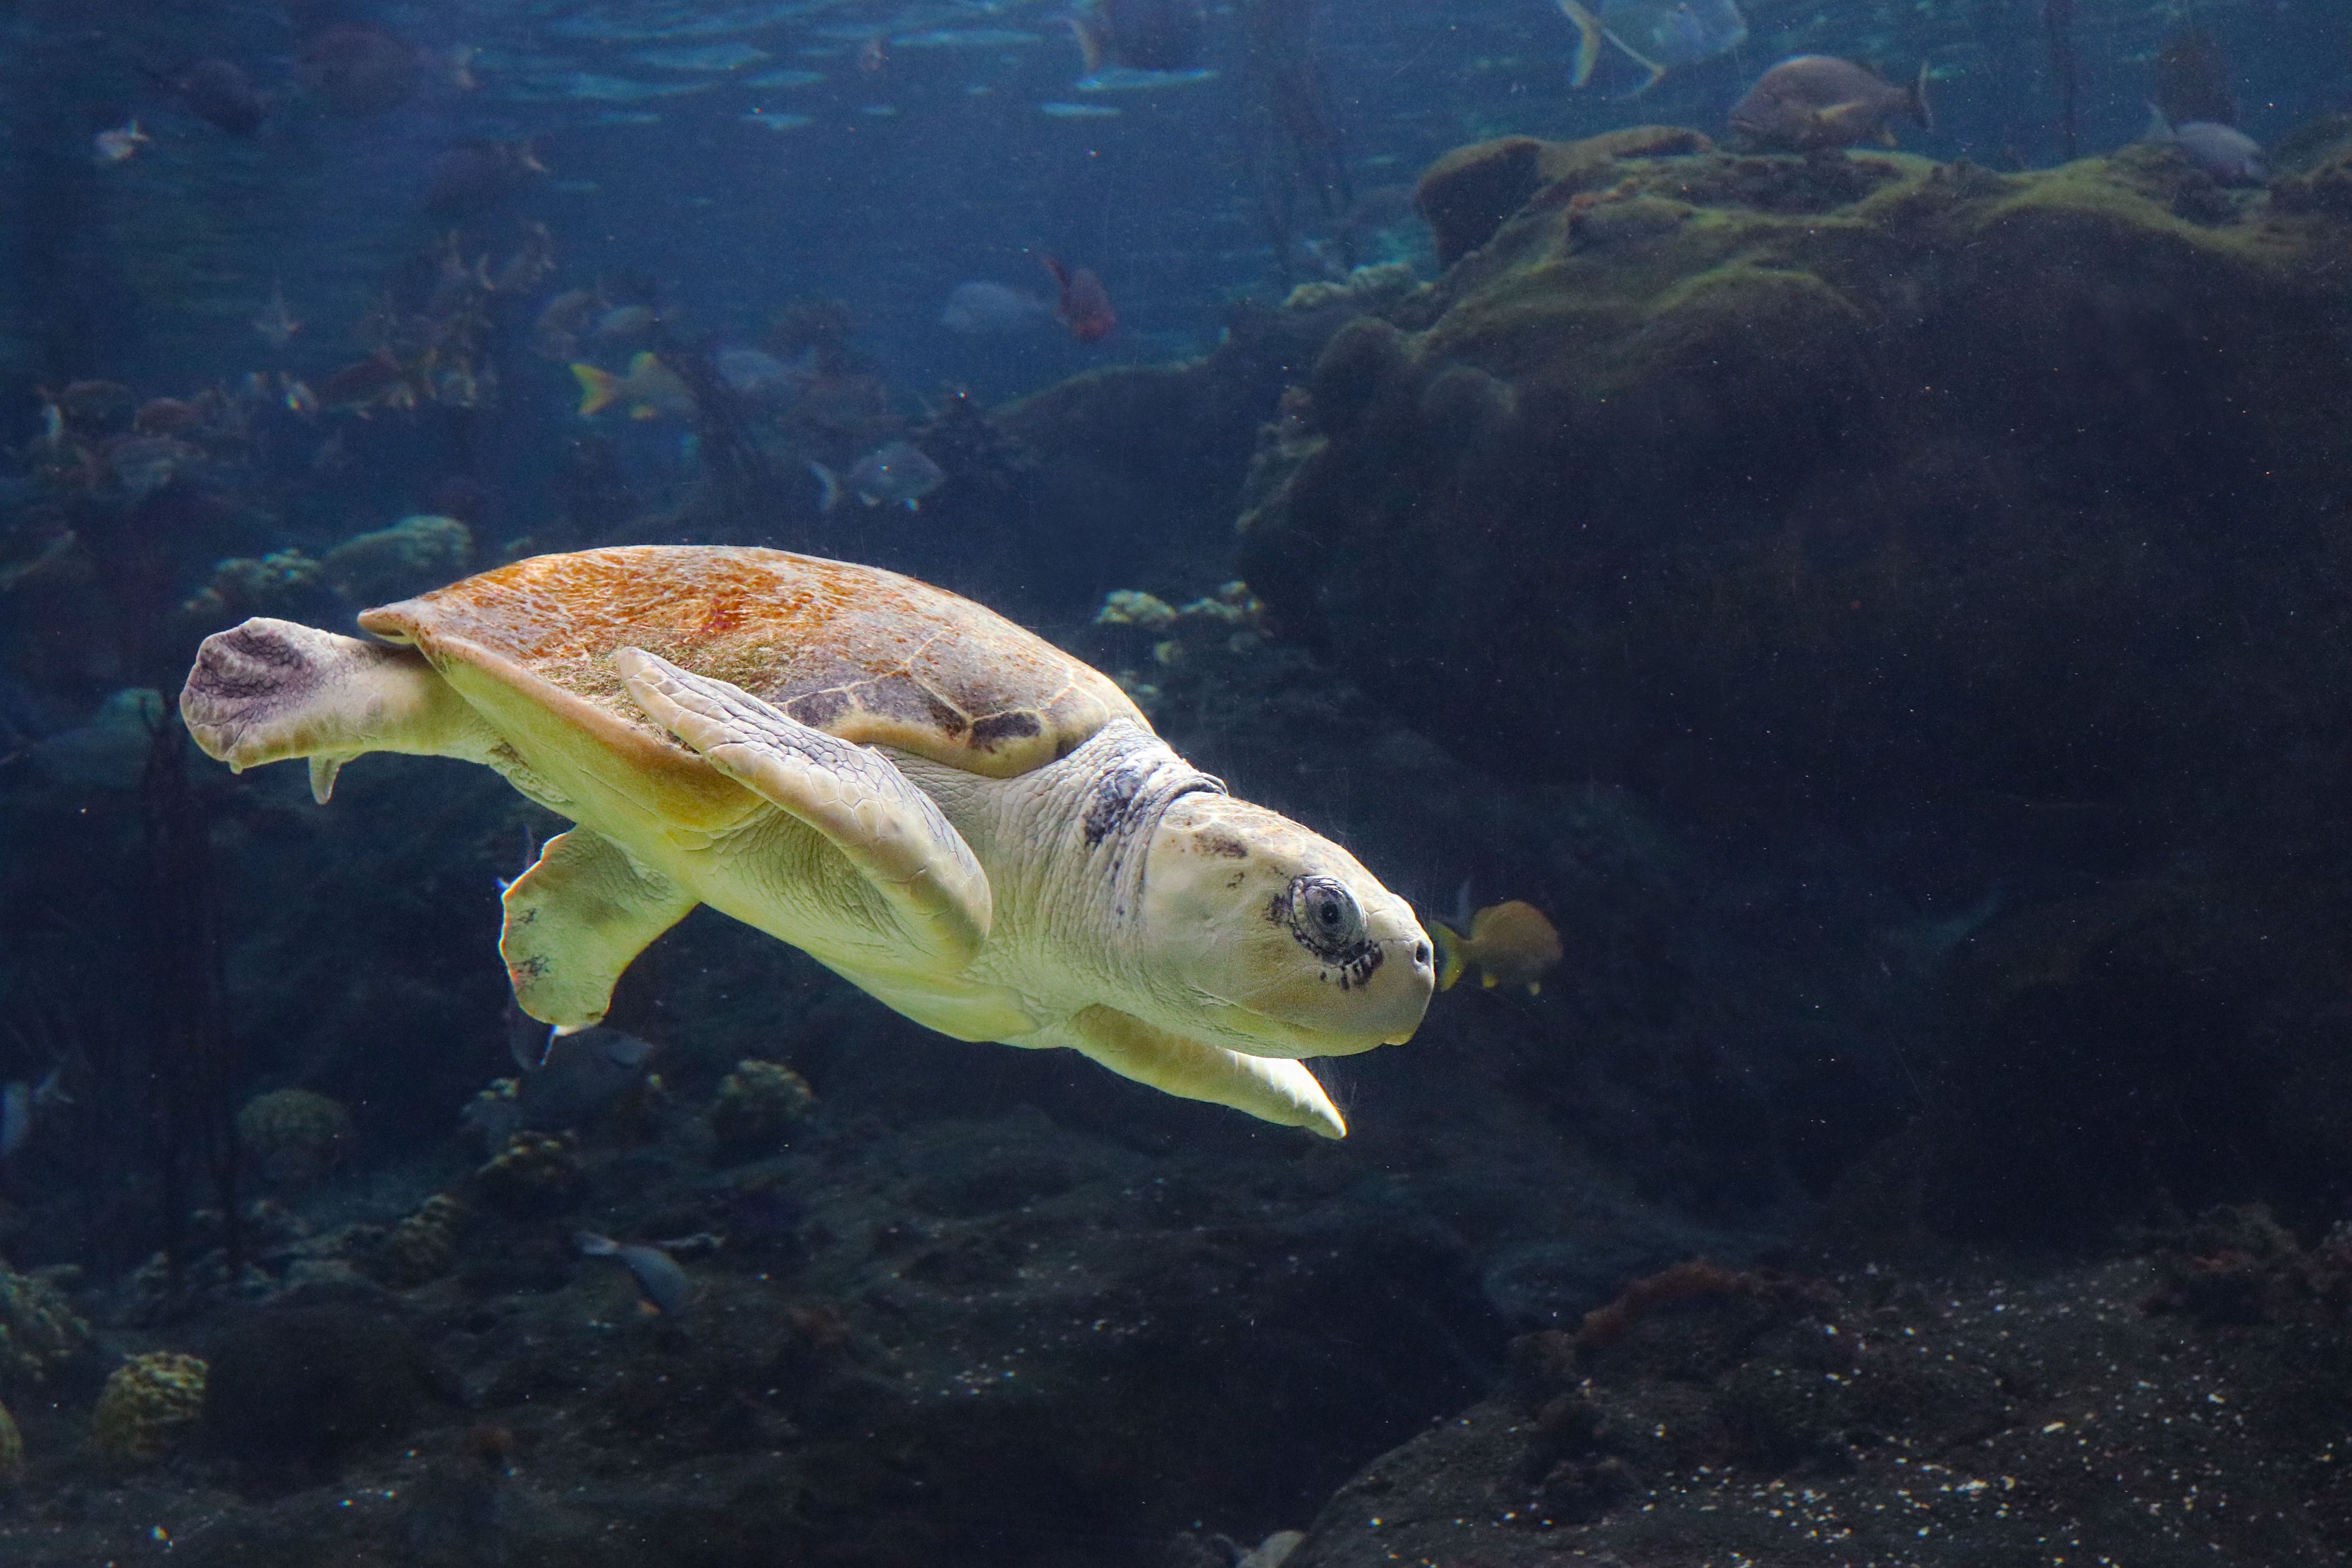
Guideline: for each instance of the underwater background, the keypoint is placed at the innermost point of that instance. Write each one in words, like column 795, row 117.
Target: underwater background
column 1830, row 581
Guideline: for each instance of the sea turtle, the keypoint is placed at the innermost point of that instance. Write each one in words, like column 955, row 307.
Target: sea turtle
column 969, row 823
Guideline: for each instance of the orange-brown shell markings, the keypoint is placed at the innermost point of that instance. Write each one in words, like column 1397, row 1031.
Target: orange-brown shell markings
column 866, row 654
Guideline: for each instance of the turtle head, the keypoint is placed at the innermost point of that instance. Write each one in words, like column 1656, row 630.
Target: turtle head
column 1273, row 940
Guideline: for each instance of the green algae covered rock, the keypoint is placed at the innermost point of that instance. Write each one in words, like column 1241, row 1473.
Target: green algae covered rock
column 148, row 1404
column 757, row 1106
column 39, row 1330
column 1760, row 482
column 293, row 1137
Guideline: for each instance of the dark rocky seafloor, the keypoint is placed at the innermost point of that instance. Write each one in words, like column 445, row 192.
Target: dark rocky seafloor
column 1793, row 575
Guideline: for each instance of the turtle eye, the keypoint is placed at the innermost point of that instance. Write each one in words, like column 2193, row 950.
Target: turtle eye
column 1324, row 915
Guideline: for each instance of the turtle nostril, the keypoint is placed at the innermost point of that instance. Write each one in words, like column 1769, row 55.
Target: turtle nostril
column 1421, row 955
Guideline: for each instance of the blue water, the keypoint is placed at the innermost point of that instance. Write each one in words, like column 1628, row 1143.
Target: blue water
column 1936, row 814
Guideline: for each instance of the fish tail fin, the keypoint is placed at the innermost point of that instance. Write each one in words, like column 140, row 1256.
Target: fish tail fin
column 599, row 388
column 1588, row 42
column 1449, row 954
column 1061, row 274
column 832, row 483
column 1088, row 32
column 1657, row 73
column 2159, row 128
column 1920, row 110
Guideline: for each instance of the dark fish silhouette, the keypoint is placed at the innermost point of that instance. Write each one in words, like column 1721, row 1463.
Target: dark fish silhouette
column 1085, row 307
column 219, row 92
column 663, row 1284
column 1819, row 100
column 476, row 176
column 357, row 70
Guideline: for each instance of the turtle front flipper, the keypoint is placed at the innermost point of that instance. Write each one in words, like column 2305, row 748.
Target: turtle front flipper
column 271, row 689
column 1271, row 1088
column 575, row 920
column 890, row 830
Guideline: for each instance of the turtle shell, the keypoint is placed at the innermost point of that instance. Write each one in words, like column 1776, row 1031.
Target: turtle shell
column 859, row 652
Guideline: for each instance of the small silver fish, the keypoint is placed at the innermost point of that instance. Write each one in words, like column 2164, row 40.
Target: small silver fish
column 763, row 377
column 897, row 471
column 665, row 1285
column 277, row 323
column 120, row 145
column 2230, row 155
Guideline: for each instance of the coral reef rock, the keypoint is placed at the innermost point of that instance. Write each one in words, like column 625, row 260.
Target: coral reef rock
column 148, row 1405
column 757, row 1106
column 293, row 1137
column 38, row 1327
column 1759, row 483
column 424, row 1244
column 414, row 554
column 536, row 1172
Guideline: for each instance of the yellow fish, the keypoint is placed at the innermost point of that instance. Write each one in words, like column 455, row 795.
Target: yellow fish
column 1510, row 943
column 650, row 390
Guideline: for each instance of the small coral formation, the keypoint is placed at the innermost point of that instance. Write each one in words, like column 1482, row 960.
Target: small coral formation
column 293, row 1137
column 255, row 585
column 1232, row 610
column 1229, row 622
column 424, row 1244
column 39, row 1330
column 1131, row 607
column 536, row 1172
column 415, row 553
column 1362, row 289
column 758, row 1105
column 148, row 1404
column 2240, row 1266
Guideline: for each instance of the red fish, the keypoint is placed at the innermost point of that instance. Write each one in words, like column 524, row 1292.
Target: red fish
column 1086, row 303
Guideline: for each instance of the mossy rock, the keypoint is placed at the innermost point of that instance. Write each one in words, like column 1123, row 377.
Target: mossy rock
column 1466, row 195
column 1855, row 476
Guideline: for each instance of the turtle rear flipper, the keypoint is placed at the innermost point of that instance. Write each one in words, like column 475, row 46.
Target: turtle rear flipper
column 269, row 689
column 575, row 920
